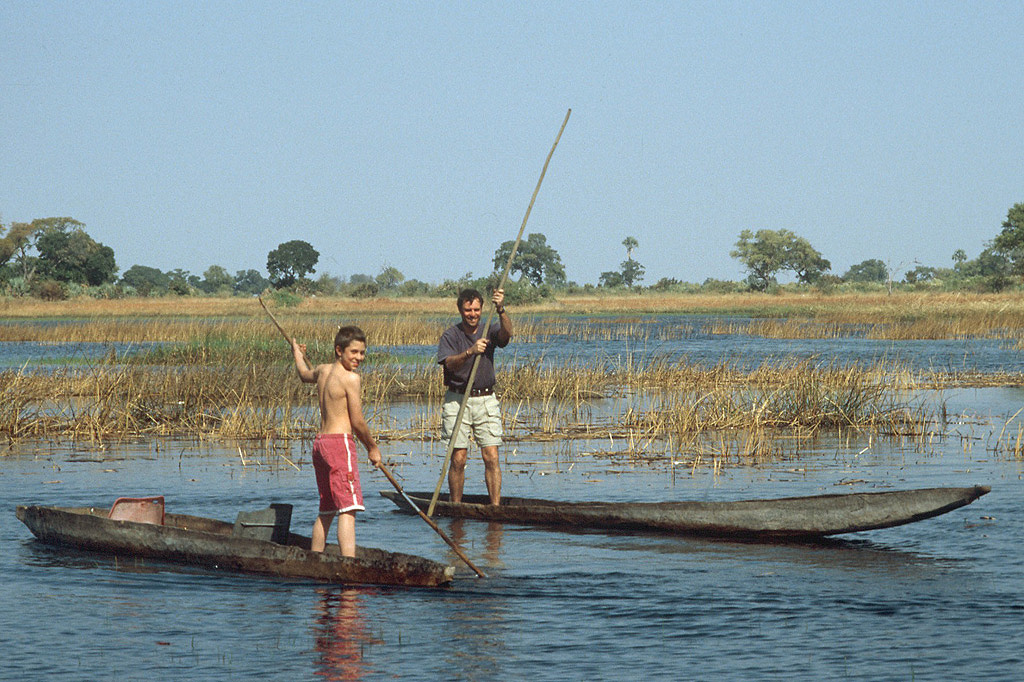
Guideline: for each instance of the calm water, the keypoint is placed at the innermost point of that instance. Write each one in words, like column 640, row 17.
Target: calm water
column 942, row 599
column 937, row 600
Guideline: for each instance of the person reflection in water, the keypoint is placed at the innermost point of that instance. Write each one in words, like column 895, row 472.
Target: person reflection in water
column 341, row 636
column 492, row 540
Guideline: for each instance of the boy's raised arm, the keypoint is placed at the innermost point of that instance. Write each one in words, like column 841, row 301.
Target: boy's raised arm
column 299, row 353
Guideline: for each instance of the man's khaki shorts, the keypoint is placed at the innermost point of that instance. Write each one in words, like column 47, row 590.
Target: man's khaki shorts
column 482, row 418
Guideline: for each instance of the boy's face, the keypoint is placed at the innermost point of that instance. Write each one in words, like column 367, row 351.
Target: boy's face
column 352, row 355
column 470, row 312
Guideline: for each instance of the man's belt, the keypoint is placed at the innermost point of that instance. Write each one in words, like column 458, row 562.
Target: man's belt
column 475, row 393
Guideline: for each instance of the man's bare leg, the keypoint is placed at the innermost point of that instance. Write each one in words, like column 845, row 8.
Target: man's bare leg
column 457, row 475
column 492, row 473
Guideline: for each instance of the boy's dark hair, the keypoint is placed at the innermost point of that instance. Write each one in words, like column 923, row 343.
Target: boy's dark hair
column 467, row 295
column 347, row 335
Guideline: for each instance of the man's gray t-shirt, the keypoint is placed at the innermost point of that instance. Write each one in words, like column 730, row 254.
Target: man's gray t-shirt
column 455, row 341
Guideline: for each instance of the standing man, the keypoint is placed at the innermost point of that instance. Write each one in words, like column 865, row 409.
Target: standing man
column 455, row 352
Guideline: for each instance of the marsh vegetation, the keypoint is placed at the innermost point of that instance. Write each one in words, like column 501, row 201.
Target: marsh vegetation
column 216, row 369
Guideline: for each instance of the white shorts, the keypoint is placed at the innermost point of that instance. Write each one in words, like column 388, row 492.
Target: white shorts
column 482, row 418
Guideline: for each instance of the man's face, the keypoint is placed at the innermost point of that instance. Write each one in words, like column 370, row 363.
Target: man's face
column 470, row 312
column 352, row 355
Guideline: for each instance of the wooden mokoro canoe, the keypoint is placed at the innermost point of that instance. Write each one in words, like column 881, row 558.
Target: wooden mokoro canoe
column 772, row 519
column 208, row 543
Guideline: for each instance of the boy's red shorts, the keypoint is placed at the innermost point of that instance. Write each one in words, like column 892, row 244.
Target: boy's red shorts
column 337, row 472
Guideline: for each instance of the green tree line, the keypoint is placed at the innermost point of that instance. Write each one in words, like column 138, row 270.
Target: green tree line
column 54, row 258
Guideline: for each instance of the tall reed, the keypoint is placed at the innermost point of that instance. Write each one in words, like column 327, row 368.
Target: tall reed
column 265, row 400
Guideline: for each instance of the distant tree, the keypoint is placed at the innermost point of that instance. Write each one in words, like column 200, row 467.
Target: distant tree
column 68, row 254
column 921, row 273
column 1010, row 241
column 360, row 278
column 249, row 282
column 216, row 279
column 145, row 280
column 10, row 239
column 769, row 252
column 959, row 256
column 290, row 262
column 389, row 278
column 630, row 243
column 763, row 254
column 665, row 284
column 871, row 270
column 610, row 279
column 805, row 261
column 17, row 244
column 414, row 287
column 365, row 290
column 328, row 285
column 993, row 267
column 993, row 263
column 828, row 282
column 719, row 286
column 52, row 236
column 182, row 282
column 632, row 272
column 534, row 260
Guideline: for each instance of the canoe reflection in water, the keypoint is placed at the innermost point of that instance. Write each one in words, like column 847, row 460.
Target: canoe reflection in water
column 342, row 636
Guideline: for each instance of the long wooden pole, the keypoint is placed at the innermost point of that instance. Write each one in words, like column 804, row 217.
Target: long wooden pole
column 384, row 468
column 487, row 326
column 281, row 329
column 430, row 521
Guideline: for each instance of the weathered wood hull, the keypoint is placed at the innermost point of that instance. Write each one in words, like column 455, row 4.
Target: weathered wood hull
column 209, row 543
column 773, row 519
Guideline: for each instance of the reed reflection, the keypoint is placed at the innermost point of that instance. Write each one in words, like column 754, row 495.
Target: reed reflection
column 341, row 636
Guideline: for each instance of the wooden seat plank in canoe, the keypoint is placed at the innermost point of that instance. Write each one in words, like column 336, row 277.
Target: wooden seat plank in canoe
column 138, row 509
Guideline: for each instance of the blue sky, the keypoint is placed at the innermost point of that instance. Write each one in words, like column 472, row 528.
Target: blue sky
column 186, row 134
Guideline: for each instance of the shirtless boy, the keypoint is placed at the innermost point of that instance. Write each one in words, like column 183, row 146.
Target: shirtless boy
column 334, row 448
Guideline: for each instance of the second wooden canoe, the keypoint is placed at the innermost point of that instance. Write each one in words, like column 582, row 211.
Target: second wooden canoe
column 763, row 519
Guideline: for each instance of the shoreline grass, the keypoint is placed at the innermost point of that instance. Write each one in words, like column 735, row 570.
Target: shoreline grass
column 405, row 321
column 807, row 303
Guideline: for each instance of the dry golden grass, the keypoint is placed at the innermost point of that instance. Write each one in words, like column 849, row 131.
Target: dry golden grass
column 808, row 303
column 411, row 320
column 195, row 306
column 266, row 401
